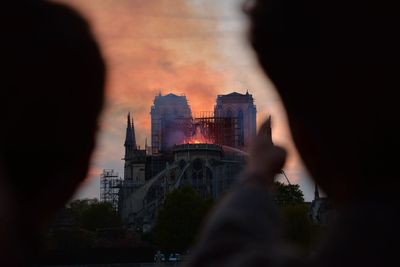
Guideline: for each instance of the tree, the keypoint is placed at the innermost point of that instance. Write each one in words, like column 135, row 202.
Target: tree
column 298, row 228
column 180, row 218
column 79, row 206
column 92, row 215
column 297, row 225
column 288, row 194
column 70, row 239
column 100, row 215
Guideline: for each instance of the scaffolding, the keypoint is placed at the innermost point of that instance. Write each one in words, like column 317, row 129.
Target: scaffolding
column 110, row 184
column 221, row 130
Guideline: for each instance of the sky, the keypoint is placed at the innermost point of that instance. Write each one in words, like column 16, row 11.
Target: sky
column 194, row 47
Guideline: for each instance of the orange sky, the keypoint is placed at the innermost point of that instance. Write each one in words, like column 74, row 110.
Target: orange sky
column 192, row 47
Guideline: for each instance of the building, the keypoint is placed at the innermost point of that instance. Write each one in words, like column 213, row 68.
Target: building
column 134, row 168
column 170, row 122
column 135, row 158
column 203, row 152
column 240, row 106
column 207, row 168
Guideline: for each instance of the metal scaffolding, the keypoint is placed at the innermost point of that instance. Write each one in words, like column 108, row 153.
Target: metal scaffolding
column 221, row 130
column 110, row 184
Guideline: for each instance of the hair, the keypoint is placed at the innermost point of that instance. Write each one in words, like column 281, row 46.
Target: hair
column 335, row 66
column 52, row 95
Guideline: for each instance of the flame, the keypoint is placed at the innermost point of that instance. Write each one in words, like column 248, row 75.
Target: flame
column 198, row 138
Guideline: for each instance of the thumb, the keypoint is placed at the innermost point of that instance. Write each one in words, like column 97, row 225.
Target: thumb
column 276, row 159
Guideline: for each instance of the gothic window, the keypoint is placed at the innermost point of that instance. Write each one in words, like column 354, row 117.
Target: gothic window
column 229, row 113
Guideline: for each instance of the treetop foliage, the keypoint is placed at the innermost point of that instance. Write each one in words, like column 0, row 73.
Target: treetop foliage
column 180, row 219
column 288, row 194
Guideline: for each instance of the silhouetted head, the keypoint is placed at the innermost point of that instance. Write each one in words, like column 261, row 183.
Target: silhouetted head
column 335, row 65
column 51, row 97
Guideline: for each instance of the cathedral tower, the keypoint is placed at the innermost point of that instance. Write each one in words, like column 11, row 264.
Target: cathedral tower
column 241, row 107
column 135, row 159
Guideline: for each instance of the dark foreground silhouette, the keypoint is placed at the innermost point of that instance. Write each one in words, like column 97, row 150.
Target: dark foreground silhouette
column 335, row 66
column 51, row 95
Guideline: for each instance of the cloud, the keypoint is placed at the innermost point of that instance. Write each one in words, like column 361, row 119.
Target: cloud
column 145, row 54
column 148, row 47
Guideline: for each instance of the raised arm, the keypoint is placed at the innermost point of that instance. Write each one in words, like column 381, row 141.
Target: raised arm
column 244, row 229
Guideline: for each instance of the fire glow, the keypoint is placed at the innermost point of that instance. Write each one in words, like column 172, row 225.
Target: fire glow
column 198, row 138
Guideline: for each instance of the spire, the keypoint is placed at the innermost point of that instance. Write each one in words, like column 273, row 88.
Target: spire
column 129, row 120
column 316, row 192
column 133, row 135
column 129, row 138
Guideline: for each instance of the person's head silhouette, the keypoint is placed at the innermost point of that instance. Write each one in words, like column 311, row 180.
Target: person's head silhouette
column 334, row 64
column 51, row 97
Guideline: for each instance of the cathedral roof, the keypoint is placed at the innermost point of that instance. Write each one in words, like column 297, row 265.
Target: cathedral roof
column 235, row 97
column 171, row 95
column 235, row 94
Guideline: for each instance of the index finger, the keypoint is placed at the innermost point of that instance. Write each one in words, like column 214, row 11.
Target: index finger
column 265, row 129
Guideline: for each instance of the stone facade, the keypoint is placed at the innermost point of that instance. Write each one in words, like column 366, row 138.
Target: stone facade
column 204, row 167
column 134, row 169
column 242, row 107
column 169, row 115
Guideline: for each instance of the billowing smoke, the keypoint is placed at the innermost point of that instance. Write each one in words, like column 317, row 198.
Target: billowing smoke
column 152, row 46
column 178, row 46
column 175, row 137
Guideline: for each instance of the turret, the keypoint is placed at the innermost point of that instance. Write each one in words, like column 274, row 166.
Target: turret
column 134, row 157
column 130, row 147
column 130, row 141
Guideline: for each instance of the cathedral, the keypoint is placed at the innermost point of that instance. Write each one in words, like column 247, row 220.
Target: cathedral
column 206, row 153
